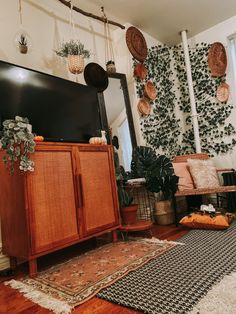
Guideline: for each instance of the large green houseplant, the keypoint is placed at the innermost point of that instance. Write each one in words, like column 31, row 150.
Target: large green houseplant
column 18, row 142
column 160, row 178
column 157, row 171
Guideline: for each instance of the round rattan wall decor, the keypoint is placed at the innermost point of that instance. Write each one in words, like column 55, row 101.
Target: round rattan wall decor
column 222, row 92
column 140, row 71
column 150, row 90
column 217, row 59
column 136, row 43
column 144, row 107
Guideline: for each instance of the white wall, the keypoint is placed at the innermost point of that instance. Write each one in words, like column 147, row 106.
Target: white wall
column 47, row 23
column 220, row 33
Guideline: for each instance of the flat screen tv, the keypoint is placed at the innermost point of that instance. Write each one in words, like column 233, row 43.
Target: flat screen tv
column 58, row 109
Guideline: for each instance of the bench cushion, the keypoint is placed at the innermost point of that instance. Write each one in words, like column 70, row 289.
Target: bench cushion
column 185, row 180
column 204, row 173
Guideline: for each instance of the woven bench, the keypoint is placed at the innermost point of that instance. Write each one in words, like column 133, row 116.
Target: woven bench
column 200, row 191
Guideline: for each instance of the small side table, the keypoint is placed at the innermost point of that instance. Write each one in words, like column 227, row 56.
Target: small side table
column 140, row 225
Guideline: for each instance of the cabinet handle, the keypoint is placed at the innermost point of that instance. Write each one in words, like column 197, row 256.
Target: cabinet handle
column 80, row 191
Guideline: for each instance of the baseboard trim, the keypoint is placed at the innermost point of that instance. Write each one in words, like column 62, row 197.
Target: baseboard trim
column 4, row 260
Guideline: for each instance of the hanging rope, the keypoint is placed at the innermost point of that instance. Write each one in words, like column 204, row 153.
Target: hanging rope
column 20, row 12
column 72, row 24
column 74, row 60
column 109, row 53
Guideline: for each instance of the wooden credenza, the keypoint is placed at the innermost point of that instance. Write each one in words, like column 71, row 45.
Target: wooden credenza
column 71, row 196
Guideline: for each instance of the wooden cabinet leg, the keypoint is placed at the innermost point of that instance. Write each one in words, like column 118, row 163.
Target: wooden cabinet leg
column 33, row 267
column 114, row 236
column 13, row 262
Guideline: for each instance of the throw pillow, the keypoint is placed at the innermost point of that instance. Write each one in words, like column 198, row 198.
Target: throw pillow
column 204, row 173
column 205, row 221
column 185, row 180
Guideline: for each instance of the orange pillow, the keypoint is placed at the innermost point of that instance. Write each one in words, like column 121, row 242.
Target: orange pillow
column 185, row 179
column 205, row 221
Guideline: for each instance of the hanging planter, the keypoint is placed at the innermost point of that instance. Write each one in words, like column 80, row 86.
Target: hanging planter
column 109, row 54
column 110, row 66
column 75, row 53
column 75, row 64
column 73, row 50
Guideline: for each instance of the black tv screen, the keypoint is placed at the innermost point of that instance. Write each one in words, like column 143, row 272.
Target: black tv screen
column 58, row 109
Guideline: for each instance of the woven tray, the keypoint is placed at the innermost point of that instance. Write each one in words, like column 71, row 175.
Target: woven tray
column 136, row 43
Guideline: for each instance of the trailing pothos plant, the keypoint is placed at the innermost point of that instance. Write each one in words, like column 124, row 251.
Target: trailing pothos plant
column 18, row 143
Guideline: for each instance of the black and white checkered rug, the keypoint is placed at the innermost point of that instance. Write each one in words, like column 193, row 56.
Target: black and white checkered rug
column 177, row 280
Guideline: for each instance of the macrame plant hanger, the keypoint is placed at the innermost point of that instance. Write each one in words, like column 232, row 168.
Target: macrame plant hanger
column 75, row 61
column 22, row 38
column 109, row 53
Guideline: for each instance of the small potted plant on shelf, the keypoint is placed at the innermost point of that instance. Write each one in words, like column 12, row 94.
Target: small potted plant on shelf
column 22, row 43
column 18, row 142
column 75, row 53
column 128, row 210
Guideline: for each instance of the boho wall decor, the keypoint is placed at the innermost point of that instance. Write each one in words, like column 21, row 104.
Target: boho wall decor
column 161, row 128
column 215, row 132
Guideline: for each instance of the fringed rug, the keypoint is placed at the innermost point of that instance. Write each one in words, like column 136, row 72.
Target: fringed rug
column 71, row 283
column 176, row 281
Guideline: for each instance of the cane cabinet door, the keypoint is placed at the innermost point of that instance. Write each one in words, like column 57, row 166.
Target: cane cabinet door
column 98, row 188
column 52, row 199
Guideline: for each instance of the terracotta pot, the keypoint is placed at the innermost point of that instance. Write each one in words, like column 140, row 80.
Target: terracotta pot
column 129, row 214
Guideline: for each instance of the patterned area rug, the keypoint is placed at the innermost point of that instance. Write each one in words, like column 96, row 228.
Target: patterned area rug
column 71, row 283
column 176, row 281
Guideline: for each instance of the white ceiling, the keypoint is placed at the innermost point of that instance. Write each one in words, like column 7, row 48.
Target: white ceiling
column 164, row 19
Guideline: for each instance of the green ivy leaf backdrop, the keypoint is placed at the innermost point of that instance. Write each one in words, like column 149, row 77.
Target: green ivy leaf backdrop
column 161, row 129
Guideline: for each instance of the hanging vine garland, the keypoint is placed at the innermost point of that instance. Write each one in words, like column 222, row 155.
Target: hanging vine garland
column 161, row 128
column 215, row 133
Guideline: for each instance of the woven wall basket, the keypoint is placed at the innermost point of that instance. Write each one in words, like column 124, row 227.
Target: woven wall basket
column 75, row 64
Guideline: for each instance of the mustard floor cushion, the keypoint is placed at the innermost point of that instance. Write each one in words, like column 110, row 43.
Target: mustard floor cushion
column 205, row 221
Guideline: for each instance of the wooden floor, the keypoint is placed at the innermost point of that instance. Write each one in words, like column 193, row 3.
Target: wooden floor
column 13, row 302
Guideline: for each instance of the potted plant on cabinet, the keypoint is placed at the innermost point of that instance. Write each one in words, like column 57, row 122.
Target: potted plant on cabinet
column 18, row 142
column 75, row 53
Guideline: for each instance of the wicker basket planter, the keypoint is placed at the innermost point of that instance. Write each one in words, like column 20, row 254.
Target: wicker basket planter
column 75, row 64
